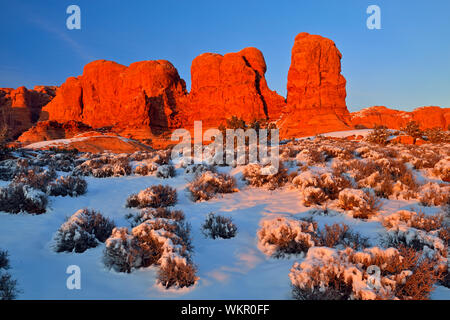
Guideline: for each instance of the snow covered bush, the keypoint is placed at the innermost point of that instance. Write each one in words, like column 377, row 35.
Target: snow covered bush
column 313, row 196
column 361, row 204
column 83, row 230
column 206, row 185
column 152, row 213
column 340, row 235
column 199, row 168
column 105, row 166
column 161, row 238
column 35, row 178
column 267, row 176
column 175, row 272
column 153, row 197
column 217, row 226
column 433, row 194
column 442, row 170
column 8, row 286
column 379, row 136
column 282, row 236
column 17, row 197
column 11, row 167
column 347, row 274
column 145, row 168
column 122, row 251
column 72, row 186
column 165, row 171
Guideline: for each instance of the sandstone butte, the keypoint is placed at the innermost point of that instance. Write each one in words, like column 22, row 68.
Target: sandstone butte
column 20, row 108
column 148, row 99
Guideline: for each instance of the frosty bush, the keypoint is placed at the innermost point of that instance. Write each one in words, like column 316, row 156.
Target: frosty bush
column 122, row 251
column 330, row 273
column 83, row 230
column 10, row 168
column 340, row 235
column 35, row 178
column 151, row 213
column 165, row 171
column 432, row 194
column 145, row 168
column 217, row 226
column 153, row 197
column 67, row 186
column 361, row 204
column 8, row 286
column 379, row 135
column 208, row 184
column 175, row 272
column 159, row 237
column 282, row 236
column 199, row 168
column 267, row 176
column 437, row 135
column 17, row 197
column 442, row 170
column 105, row 166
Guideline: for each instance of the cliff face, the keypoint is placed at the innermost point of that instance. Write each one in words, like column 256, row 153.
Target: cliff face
column 426, row 117
column 20, row 108
column 315, row 89
column 233, row 84
column 141, row 99
column 148, row 99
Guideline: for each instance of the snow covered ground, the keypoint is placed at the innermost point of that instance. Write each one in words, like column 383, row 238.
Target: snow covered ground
column 227, row 269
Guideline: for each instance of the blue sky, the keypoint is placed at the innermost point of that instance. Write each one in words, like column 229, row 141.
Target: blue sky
column 404, row 65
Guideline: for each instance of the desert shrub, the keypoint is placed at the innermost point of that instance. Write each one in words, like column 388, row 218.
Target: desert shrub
column 437, row 135
column 361, row 204
column 104, row 166
column 340, row 235
column 122, row 251
column 279, row 237
column 330, row 273
column 17, row 197
column 177, row 273
column 379, row 135
column 313, row 196
column 336, row 288
column 83, row 230
column 152, row 213
column 165, row 171
column 35, row 178
column 268, row 176
column 442, row 169
column 208, row 184
column 145, row 168
column 8, row 286
column 217, row 226
column 199, row 168
column 72, row 186
column 153, row 197
column 432, row 194
column 412, row 129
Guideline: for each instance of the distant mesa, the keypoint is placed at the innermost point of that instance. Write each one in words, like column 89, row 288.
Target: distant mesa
column 148, row 99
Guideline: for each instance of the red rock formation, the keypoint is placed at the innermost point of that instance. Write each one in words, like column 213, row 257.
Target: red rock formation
column 315, row 90
column 52, row 130
column 426, row 117
column 20, row 108
column 233, row 84
column 137, row 100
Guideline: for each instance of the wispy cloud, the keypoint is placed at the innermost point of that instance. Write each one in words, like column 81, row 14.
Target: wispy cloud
column 61, row 33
